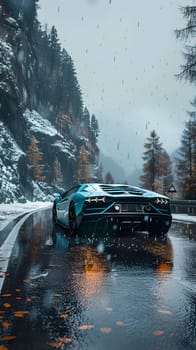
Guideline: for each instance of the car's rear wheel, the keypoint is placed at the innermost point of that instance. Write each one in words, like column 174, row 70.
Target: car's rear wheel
column 54, row 214
column 72, row 219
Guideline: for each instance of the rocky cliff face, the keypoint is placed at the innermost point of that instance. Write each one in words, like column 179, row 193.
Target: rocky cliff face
column 37, row 155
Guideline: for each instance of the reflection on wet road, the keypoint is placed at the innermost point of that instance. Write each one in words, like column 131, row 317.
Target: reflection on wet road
column 100, row 291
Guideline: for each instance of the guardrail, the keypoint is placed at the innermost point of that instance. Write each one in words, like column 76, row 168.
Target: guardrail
column 183, row 207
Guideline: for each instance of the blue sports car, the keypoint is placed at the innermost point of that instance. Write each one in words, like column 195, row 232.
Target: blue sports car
column 121, row 206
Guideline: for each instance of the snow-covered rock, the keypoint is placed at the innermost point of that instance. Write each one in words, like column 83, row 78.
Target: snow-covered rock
column 38, row 124
column 10, row 157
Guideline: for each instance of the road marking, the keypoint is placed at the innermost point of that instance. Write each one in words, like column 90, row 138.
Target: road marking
column 6, row 249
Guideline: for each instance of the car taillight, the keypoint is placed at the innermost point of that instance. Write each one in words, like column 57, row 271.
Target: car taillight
column 95, row 199
column 162, row 201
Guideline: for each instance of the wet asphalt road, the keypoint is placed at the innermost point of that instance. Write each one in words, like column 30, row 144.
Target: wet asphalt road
column 97, row 292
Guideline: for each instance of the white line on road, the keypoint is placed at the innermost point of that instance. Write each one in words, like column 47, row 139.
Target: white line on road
column 6, row 249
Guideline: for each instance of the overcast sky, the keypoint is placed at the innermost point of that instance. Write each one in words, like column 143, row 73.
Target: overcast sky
column 126, row 57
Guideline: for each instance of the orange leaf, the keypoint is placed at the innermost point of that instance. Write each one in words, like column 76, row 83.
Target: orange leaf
column 20, row 313
column 158, row 333
column 86, row 327
column 3, row 348
column 18, row 298
column 60, row 343
column 65, row 340
column 7, row 305
column 106, row 330
column 8, row 337
column 28, row 300
column 5, row 324
column 18, row 290
column 55, row 344
column 64, row 315
column 6, row 295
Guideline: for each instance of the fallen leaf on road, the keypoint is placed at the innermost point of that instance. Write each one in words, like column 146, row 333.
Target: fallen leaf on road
column 86, row 327
column 105, row 330
column 60, row 344
column 55, row 344
column 158, row 333
column 7, row 305
column 8, row 338
column 64, row 315
column 28, row 300
column 65, row 340
column 120, row 323
column 5, row 324
column 165, row 312
column 20, row 313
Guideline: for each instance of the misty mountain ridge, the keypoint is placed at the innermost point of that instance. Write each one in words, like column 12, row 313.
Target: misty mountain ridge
column 118, row 173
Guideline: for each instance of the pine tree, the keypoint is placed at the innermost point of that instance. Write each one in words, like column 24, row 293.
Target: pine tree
column 188, row 69
column 94, row 128
column 157, row 169
column 35, row 159
column 86, row 122
column 167, row 172
column 108, row 178
column 55, row 49
column 151, row 159
column 186, row 160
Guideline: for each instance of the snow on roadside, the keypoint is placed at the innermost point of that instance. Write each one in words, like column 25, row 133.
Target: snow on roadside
column 184, row 218
column 8, row 212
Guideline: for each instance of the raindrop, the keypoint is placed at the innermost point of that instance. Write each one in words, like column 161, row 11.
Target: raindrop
column 100, row 248
column 20, row 56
